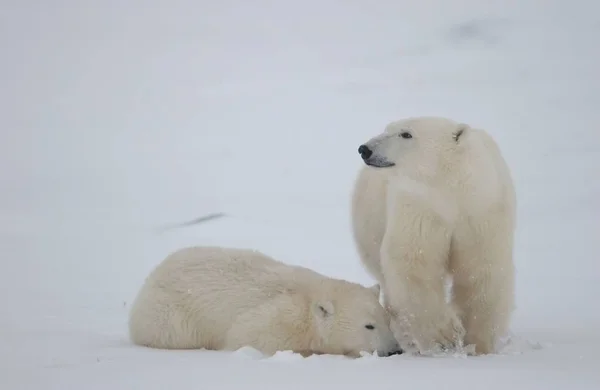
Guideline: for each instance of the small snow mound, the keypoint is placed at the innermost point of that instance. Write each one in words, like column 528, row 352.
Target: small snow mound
column 284, row 356
column 369, row 356
column 460, row 351
column 249, row 353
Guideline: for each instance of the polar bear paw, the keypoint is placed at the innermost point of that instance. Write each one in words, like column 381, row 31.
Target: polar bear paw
column 447, row 336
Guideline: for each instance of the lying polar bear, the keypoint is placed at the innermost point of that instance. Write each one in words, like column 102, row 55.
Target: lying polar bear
column 224, row 299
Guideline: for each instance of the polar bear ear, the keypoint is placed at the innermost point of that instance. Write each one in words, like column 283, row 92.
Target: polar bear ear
column 376, row 289
column 460, row 130
column 323, row 309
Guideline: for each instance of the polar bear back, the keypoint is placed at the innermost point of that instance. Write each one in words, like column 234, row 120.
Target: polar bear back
column 485, row 179
column 206, row 288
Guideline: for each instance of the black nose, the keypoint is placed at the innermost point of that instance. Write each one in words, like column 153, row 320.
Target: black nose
column 396, row 352
column 364, row 151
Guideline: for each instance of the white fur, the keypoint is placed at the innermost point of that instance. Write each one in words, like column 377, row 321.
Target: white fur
column 441, row 204
column 225, row 299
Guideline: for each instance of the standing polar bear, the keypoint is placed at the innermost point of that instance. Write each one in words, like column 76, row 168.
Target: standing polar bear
column 225, row 298
column 436, row 200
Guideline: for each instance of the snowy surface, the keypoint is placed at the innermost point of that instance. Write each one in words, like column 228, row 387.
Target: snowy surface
column 120, row 117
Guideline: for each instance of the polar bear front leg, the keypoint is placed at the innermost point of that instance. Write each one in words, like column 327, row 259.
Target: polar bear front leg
column 414, row 260
column 483, row 291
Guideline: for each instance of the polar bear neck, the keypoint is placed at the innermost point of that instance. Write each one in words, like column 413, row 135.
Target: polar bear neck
column 294, row 319
column 440, row 201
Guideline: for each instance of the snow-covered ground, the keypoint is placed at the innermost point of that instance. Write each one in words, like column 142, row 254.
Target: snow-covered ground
column 120, row 117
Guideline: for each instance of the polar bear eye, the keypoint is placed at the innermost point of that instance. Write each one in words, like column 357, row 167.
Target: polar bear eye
column 405, row 135
column 370, row 327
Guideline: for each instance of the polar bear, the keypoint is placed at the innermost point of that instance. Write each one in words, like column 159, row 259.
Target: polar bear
column 227, row 298
column 434, row 202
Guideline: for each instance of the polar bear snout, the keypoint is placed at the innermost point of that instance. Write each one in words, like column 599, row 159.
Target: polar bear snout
column 372, row 158
column 388, row 346
column 365, row 152
column 396, row 351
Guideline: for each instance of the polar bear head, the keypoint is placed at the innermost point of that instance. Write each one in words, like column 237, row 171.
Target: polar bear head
column 350, row 320
column 421, row 146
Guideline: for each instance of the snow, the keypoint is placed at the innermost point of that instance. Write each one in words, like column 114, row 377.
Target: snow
column 120, row 118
